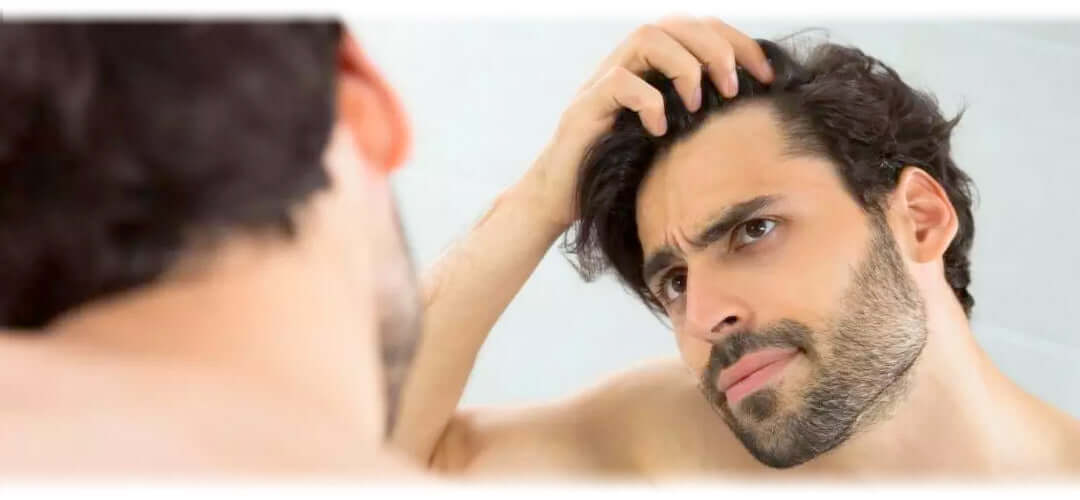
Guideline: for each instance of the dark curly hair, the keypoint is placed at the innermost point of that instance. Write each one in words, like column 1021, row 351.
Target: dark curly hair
column 838, row 103
column 120, row 141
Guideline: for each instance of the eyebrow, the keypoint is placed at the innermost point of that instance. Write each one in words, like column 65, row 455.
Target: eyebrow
column 722, row 224
column 657, row 261
column 729, row 218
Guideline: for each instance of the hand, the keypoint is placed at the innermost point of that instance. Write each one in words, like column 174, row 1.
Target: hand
column 678, row 47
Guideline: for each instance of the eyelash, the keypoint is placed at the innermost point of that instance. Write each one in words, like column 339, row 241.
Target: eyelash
column 736, row 231
column 658, row 293
column 661, row 286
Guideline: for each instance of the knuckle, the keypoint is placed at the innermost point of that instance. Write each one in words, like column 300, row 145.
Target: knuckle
column 634, row 101
column 693, row 72
column 674, row 20
column 645, row 34
column 725, row 56
column 618, row 76
column 715, row 22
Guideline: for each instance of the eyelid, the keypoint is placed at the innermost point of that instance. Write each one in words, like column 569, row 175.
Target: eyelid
column 735, row 230
column 658, row 278
column 659, row 288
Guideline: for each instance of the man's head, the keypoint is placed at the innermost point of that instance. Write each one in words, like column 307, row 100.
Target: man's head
column 790, row 235
column 126, row 149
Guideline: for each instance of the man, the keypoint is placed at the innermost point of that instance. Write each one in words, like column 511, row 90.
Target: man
column 202, row 269
column 800, row 223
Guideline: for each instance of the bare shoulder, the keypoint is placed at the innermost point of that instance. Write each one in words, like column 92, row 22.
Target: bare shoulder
column 22, row 360
column 1069, row 443
column 631, row 423
column 674, row 432
column 666, row 372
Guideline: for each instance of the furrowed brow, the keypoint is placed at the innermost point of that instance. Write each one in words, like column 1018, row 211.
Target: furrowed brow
column 656, row 262
column 731, row 217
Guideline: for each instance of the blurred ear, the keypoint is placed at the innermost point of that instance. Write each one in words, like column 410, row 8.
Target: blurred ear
column 927, row 218
column 370, row 109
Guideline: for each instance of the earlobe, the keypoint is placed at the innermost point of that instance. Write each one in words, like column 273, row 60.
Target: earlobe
column 370, row 109
column 932, row 218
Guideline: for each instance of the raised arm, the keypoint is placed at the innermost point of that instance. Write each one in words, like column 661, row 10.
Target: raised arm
column 467, row 290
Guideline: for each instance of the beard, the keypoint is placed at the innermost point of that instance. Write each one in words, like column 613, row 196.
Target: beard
column 860, row 364
column 399, row 322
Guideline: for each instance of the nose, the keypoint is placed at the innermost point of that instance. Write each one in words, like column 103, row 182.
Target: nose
column 713, row 309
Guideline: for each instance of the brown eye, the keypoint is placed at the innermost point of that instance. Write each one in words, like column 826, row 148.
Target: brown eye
column 678, row 284
column 754, row 230
column 672, row 288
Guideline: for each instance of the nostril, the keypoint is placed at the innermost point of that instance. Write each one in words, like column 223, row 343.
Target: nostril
column 726, row 324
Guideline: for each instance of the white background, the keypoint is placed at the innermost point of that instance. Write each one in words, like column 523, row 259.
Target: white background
column 587, row 331
column 485, row 94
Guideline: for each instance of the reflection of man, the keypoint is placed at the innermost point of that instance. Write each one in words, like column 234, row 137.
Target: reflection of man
column 201, row 257
column 807, row 237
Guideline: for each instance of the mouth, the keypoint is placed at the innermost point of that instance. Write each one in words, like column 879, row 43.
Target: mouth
column 752, row 372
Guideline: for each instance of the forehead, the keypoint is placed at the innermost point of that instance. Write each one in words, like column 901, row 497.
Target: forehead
column 732, row 158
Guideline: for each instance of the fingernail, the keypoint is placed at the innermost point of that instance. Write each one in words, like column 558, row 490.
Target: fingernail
column 732, row 85
column 695, row 100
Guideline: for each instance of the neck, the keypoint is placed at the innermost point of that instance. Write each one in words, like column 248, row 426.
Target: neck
column 960, row 417
column 247, row 305
column 280, row 321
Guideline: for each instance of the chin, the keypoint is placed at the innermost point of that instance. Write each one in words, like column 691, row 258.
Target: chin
column 778, row 432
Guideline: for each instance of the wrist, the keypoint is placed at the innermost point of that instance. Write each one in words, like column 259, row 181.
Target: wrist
column 542, row 199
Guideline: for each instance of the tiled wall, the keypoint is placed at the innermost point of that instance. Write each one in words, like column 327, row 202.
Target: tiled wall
column 485, row 96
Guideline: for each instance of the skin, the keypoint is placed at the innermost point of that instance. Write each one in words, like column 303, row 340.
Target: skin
column 258, row 357
column 956, row 416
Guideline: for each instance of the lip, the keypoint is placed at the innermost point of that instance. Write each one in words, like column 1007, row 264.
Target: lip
column 751, row 364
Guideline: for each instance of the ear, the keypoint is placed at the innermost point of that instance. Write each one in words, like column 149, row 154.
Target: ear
column 370, row 109
column 926, row 216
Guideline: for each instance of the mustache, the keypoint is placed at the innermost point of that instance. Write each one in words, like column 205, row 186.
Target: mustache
column 785, row 333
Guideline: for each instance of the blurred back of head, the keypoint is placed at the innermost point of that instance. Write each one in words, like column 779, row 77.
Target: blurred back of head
column 123, row 144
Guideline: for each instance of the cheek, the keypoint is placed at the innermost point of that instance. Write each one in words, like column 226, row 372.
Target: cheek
column 694, row 352
column 807, row 279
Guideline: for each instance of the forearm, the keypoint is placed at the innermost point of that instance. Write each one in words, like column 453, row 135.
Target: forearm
column 464, row 294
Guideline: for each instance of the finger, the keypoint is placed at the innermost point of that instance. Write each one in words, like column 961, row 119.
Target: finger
column 621, row 88
column 748, row 52
column 709, row 47
column 653, row 48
